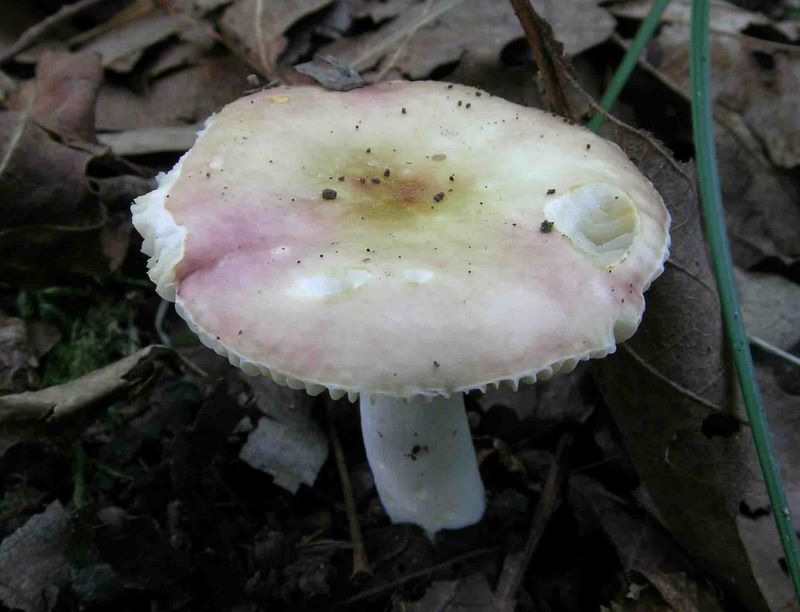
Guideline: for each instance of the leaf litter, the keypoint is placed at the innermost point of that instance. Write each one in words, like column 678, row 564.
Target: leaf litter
column 192, row 486
column 753, row 61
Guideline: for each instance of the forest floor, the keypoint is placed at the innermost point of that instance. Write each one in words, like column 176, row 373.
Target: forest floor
column 140, row 471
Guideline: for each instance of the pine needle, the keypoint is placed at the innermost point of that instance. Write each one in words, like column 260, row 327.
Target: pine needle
column 628, row 63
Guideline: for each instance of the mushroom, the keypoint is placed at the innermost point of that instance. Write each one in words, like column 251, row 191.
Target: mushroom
column 395, row 244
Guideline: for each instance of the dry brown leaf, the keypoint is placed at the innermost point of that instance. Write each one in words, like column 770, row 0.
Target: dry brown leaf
column 31, row 413
column 754, row 517
column 65, row 95
column 143, row 141
column 122, row 47
column 175, row 99
column 761, row 209
column 642, row 546
column 639, row 542
column 771, row 307
column 755, row 85
column 119, row 109
column 43, row 181
column 258, row 27
column 48, row 214
column 433, row 34
column 33, row 559
column 380, row 11
column 671, row 392
column 176, row 57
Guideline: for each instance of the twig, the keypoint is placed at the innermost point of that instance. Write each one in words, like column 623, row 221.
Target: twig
column 36, row 31
column 191, row 366
column 516, row 564
column 266, row 66
column 771, row 348
column 414, row 575
column 534, row 26
column 360, row 562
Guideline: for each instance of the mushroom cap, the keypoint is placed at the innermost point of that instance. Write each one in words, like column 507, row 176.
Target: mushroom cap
column 407, row 238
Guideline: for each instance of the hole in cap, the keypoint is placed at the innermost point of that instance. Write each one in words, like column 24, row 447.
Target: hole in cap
column 600, row 220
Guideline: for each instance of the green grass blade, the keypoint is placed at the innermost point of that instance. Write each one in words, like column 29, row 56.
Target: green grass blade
column 628, row 63
column 710, row 196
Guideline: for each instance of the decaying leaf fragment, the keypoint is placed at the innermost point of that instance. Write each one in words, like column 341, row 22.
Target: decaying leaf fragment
column 259, row 27
column 32, row 559
column 287, row 443
column 48, row 213
column 429, row 35
column 174, row 99
column 24, row 415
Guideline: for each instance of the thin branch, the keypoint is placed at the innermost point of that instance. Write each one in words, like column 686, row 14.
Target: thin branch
column 535, row 32
column 36, row 31
column 516, row 564
column 266, row 65
column 771, row 348
column 360, row 562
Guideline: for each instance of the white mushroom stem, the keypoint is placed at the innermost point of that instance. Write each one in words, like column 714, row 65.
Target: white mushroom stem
column 421, row 454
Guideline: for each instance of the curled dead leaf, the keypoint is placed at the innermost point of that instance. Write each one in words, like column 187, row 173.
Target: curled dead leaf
column 28, row 414
column 52, row 224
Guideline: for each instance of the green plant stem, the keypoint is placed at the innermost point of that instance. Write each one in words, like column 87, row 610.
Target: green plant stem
column 628, row 63
column 710, row 195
